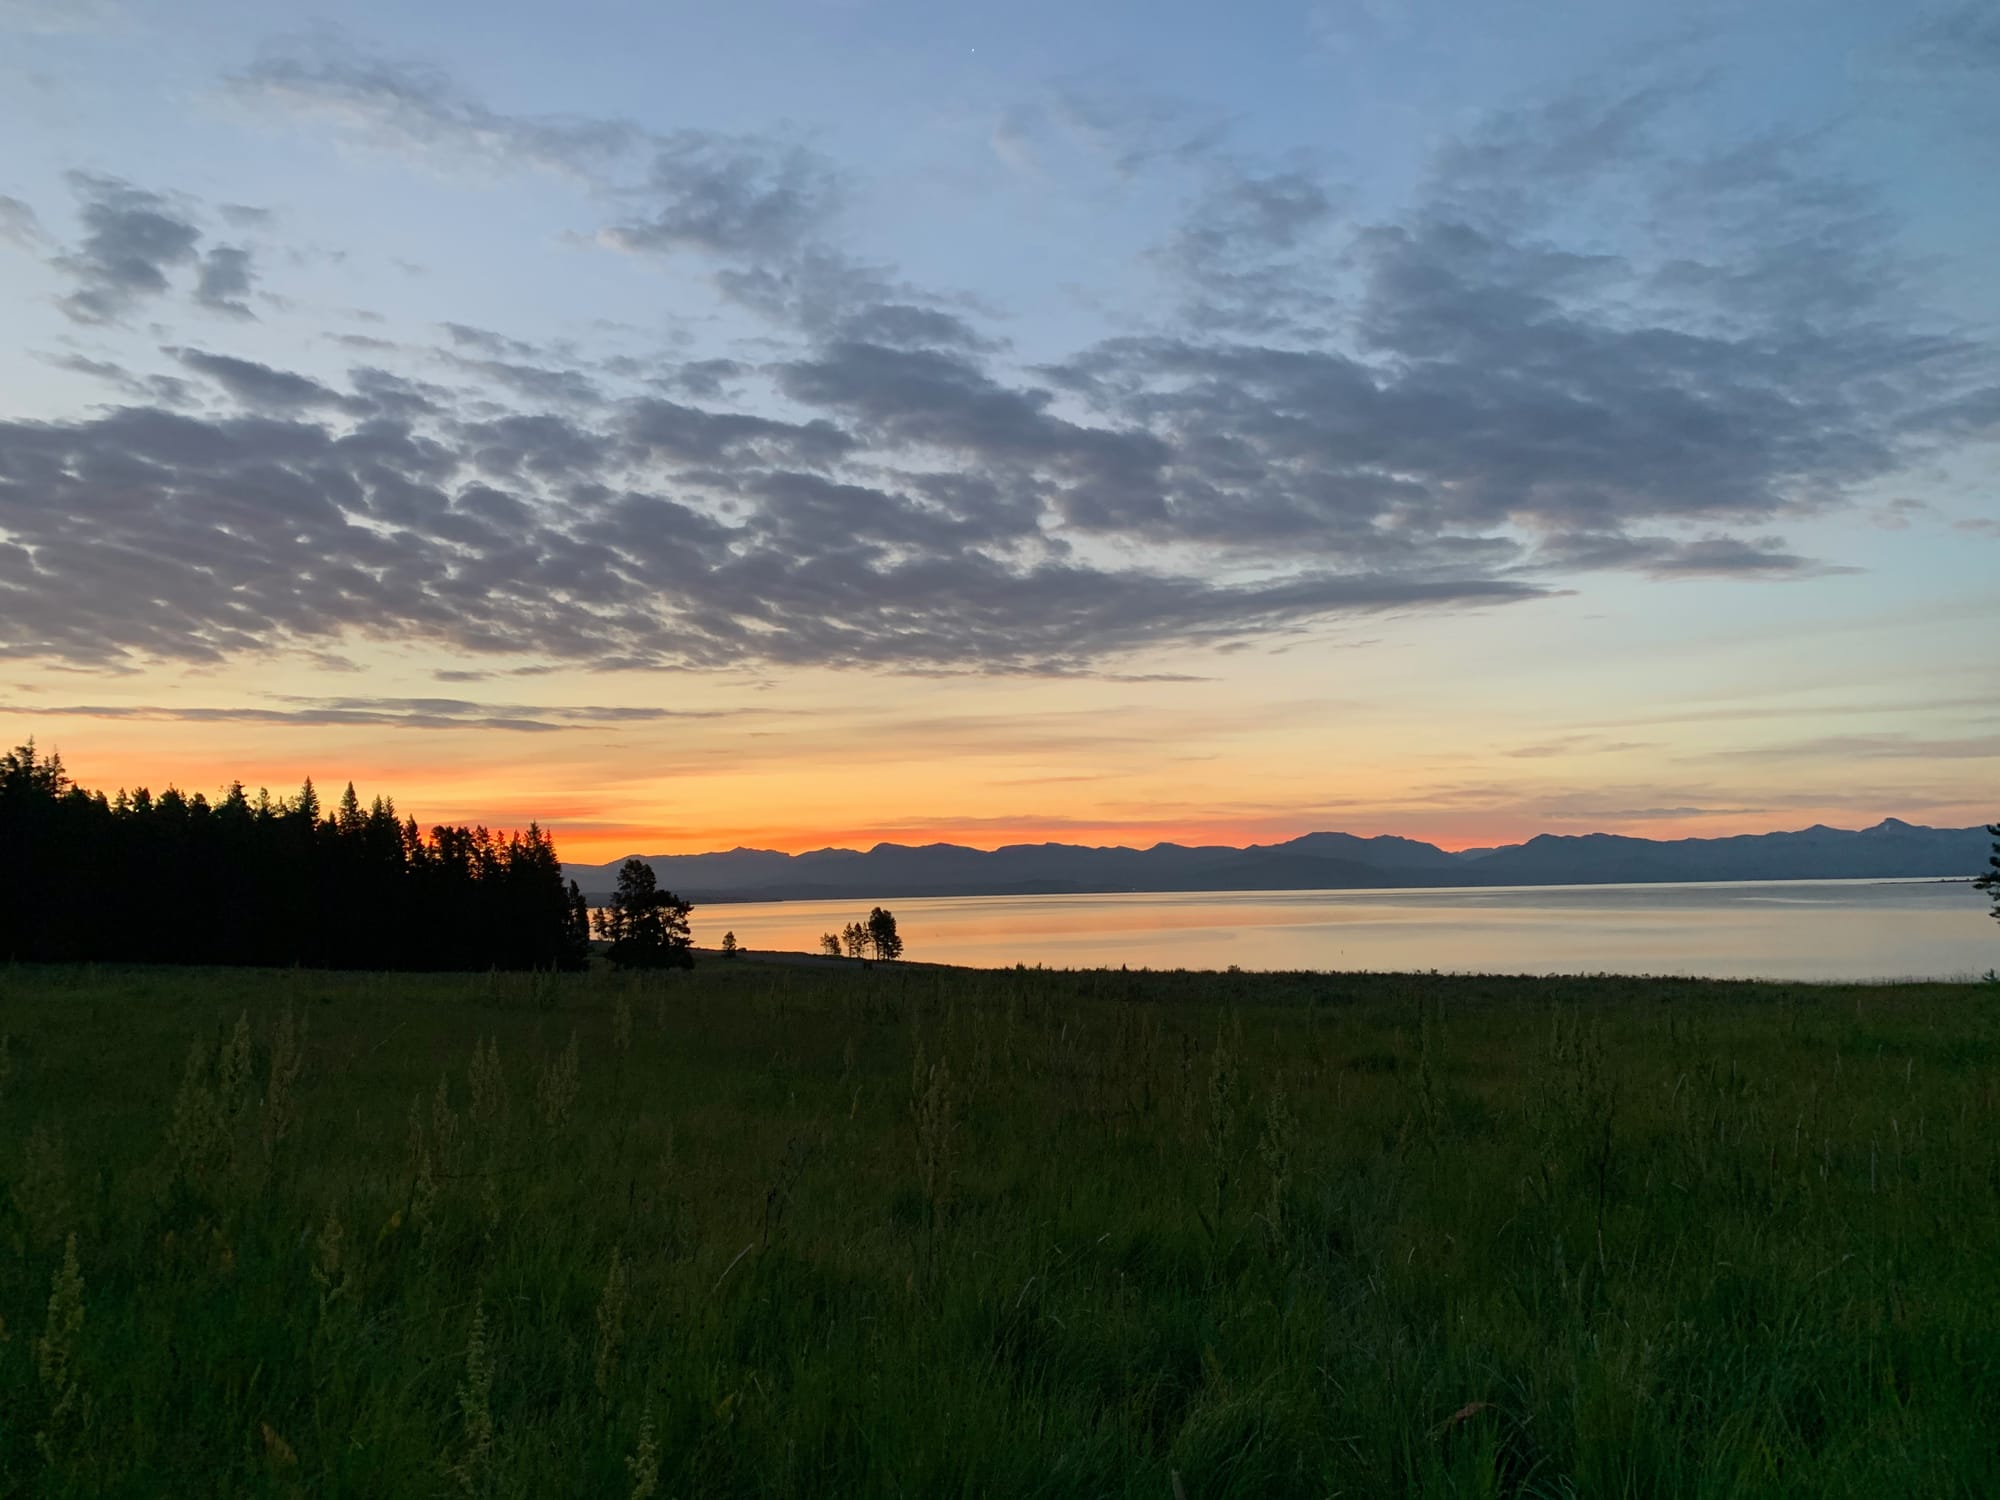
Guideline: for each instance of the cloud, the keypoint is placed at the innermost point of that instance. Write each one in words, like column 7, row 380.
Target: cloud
column 1963, row 37
column 166, row 390
column 1712, row 556
column 1113, row 127
column 1851, row 747
column 388, row 713
column 729, row 196
column 484, row 341
column 256, row 385
column 18, row 224
column 905, row 326
column 552, row 385
column 143, row 534
column 1571, row 814
column 132, row 239
column 1243, row 248
column 55, row 16
column 758, row 210
column 702, row 379
column 409, row 106
column 732, row 196
column 1573, row 745
column 1490, row 371
column 1457, row 406
column 226, row 281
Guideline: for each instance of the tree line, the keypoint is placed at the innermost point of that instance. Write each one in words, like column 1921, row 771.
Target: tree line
column 175, row 878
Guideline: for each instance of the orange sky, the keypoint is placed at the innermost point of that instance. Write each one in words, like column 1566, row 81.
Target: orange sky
column 1584, row 713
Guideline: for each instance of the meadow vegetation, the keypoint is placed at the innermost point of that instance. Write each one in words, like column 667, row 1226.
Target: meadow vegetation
column 889, row 1230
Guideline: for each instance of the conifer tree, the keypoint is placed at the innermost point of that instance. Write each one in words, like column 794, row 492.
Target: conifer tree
column 646, row 927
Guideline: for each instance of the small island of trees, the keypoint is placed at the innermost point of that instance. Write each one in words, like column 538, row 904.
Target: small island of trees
column 875, row 938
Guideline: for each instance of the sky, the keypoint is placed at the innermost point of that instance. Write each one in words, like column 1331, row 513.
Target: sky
column 822, row 422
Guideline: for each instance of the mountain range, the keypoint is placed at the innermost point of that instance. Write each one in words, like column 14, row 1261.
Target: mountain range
column 1316, row 861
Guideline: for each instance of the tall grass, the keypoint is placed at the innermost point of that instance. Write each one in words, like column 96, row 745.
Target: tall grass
column 905, row 1231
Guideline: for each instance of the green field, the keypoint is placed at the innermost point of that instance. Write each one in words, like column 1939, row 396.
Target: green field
column 778, row 1231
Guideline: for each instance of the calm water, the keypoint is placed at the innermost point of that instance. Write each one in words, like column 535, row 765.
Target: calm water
column 1808, row 929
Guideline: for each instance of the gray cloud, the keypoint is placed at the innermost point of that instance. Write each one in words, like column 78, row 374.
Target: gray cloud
column 408, row 105
column 759, row 210
column 60, row 15
column 1455, row 409
column 484, row 341
column 132, row 239
column 144, row 534
column 1960, row 37
column 909, row 327
column 166, row 390
column 1568, row 814
column 1125, row 132
column 18, row 224
column 1845, row 747
column 557, row 386
column 726, row 195
column 703, row 379
column 729, row 196
column 389, row 713
column 226, row 281
column 1667, row 557
column 258, row 386
column 1464, row 380
column 1244, row 249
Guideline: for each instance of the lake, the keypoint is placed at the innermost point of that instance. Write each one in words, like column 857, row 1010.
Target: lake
column 1804, row 929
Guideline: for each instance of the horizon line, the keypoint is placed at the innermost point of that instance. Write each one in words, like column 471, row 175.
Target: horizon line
column 974, row 848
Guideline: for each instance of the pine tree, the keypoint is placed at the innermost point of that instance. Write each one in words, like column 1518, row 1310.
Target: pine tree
column 882, row 935
column 1990, row 881
column 646, row 926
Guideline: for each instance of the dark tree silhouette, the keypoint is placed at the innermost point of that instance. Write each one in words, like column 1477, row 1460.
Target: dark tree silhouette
column 576, row 931
column 829, row 944
column 882, row 936
column 729, row 948
column 264, row 881
column 855, row 937
column 1990, row 881
column 646, row 927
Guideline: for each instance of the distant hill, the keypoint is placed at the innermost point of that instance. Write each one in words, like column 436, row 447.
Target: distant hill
column 1316, row 861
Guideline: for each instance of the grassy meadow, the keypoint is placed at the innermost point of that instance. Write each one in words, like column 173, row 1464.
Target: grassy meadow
column 759, row 1230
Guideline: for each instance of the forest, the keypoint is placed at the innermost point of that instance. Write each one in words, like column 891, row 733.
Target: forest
column 174, row 878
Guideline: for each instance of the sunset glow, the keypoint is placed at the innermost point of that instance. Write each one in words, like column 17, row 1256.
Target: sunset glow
column 1464, row 432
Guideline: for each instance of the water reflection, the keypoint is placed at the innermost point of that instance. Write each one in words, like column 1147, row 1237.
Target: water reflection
column 1768, row 929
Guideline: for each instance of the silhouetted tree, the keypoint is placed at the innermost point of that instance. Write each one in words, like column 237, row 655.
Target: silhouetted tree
column 576, row 931
column 646, row 927
column 855, row 937
column 829, row 944
column 268, row 882
column 882, row 935
column 729, row 949
column 1990, row 881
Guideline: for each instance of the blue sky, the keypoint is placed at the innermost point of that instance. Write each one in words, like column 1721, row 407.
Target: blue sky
column 932, row 367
